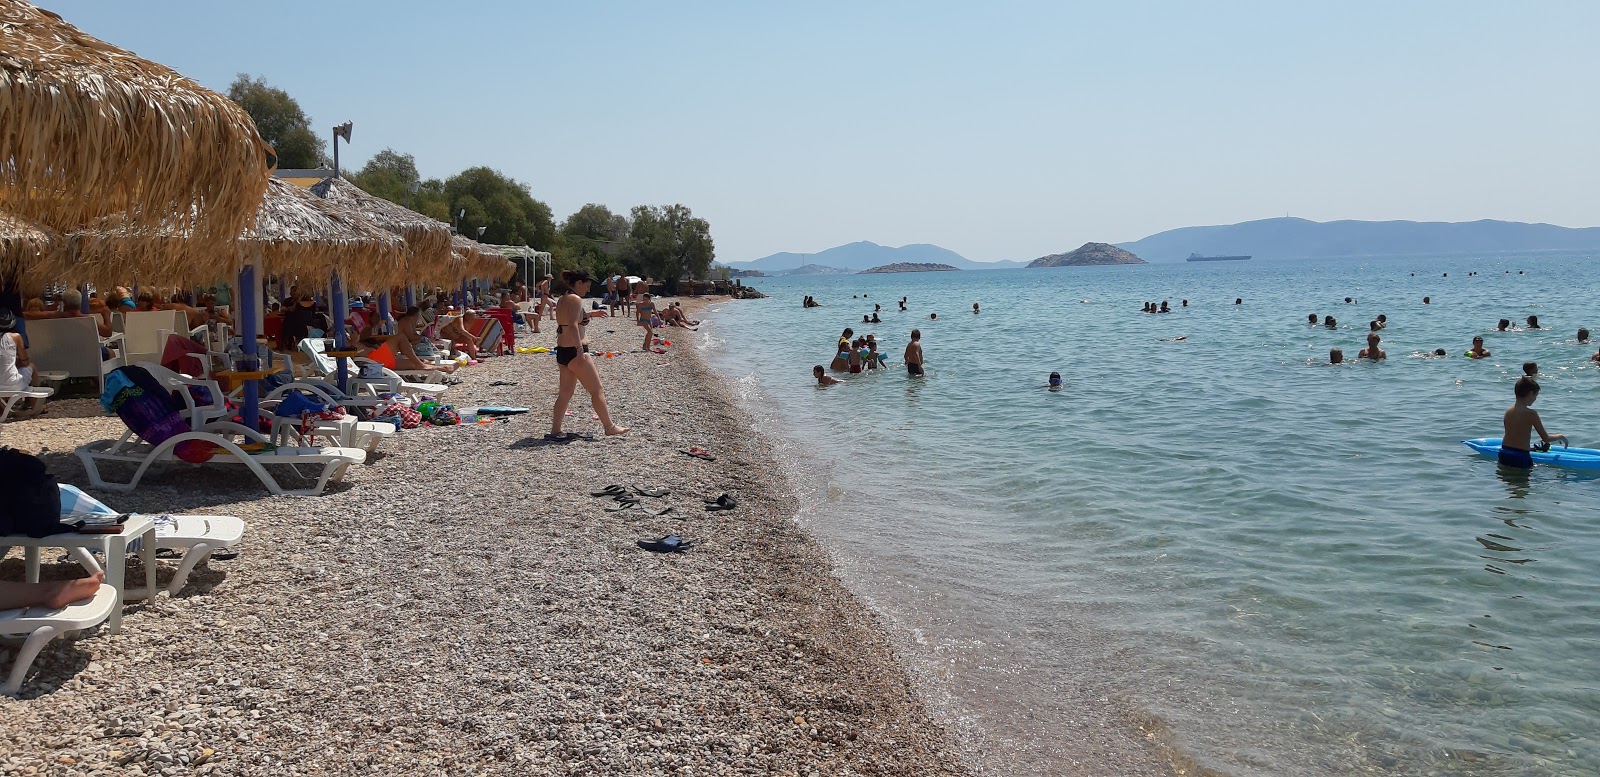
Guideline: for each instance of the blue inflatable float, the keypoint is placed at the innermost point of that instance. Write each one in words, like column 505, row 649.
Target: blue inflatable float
column 1572, row 458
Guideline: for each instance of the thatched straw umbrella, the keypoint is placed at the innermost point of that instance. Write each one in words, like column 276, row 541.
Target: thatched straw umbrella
column 90, row 131
column 427, row 239
column 298, row 233
column 25, row 248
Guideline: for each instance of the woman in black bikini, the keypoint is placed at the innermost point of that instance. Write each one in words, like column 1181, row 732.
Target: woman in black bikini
column 572, row 356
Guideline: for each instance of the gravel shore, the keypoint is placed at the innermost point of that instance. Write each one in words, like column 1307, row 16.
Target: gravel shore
column 462, row 605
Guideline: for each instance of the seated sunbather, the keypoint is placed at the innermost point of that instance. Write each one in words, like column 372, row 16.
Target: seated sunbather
column 405, row 344
column 16, row 371
column 674, row 316
column 460, row 334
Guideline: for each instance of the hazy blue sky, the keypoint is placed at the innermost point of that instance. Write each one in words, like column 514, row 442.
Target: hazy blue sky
column 1002, row 131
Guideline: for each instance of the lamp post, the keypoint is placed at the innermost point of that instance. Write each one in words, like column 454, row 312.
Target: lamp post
column 455, row 225
column 341, row 131
column 411, row 190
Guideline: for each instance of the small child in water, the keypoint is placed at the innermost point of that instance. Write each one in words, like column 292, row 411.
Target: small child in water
column 914, row 353
column 822, row 376
column 1336, row 356
column 1521, row 421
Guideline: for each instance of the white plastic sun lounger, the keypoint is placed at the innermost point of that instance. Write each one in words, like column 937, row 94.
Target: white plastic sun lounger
column 40, row 625
column 332, row 461
column 10, row 399
column 391, row 382
column 196, row 535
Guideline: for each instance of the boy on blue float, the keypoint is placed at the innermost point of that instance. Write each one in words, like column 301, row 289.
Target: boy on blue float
column 1520, row 422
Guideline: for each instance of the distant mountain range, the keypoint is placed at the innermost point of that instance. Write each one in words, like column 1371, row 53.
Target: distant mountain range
column 1292, row 238
column 864, row 255
column 1277, row 238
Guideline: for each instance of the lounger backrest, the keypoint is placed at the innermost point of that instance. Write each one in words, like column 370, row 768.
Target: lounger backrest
column 145, row 332
column 314, row 348
column 70, row 345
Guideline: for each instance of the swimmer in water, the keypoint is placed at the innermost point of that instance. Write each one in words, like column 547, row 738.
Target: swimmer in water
column 841, row 354
column 1336, row 356
column 1186, row 303
column 1427, row 300
column 1477, row 351
column 1437, row 352
column 1372, row 351
column 1530, row 369
column 1503, row 326
column 1383, row 321
column 823, row 378
column 1164, row 308
column 1583, row 336
column 1311, row 319
column 1330, row 322
column 1055, row 381
column 1533, row 322
column 1238, row 300
column 1521, row 420
column 974, row 308
column 914, row 354
column 933, row 316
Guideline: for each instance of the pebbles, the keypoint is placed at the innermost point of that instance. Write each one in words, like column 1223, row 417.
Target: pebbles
column 461, row 605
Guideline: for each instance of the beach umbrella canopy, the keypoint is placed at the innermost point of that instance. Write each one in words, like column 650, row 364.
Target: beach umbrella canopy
column 25, row 248
column 298, row 233
column 428, row 240
column 90, row 133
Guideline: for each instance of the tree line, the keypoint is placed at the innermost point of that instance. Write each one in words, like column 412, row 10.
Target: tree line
column 664, row 242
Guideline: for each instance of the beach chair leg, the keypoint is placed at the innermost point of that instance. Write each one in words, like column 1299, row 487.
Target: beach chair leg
column 85, row 559
column 191, row 559
column 25, row 655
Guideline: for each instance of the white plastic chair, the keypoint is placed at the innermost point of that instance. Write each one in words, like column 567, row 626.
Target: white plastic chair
column 71, row 346
column 9, row 400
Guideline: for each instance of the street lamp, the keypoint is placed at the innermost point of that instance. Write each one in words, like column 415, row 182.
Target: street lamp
column 481, row 230
column 411, row 189
column 341, row 131
column 455, row 225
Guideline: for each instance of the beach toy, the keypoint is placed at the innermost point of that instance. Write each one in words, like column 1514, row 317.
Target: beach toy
column 1571, row 458
column 195, row 451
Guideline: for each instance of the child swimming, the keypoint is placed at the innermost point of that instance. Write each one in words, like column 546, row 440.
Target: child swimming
column 822, row 376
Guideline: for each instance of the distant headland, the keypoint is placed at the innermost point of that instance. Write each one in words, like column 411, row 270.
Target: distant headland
column 1088, row 255
column 911, row 267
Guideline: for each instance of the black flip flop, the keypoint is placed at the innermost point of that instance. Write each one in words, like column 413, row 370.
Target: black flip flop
column 653, row 493
column 671, row 543
column 563, row 437
column 723, row 502
column 620, row 506
column 612, row 490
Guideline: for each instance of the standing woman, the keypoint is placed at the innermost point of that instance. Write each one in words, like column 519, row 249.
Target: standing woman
column 572, row 356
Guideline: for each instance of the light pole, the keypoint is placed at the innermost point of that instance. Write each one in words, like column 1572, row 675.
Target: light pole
column 455, row 226
column 341, row 131
column 481, row 230
column 411, row 190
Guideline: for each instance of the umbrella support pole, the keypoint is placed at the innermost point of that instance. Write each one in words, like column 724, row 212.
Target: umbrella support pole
column 336, row 315
column 249, row 295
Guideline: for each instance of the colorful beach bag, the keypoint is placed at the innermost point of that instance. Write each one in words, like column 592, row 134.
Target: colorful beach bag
column 142, row 403
column 400, row 415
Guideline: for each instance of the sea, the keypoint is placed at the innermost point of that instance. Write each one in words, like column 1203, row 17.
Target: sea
column 1267, row 564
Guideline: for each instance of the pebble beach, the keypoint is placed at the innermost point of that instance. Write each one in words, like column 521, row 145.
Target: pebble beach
column 461, row 604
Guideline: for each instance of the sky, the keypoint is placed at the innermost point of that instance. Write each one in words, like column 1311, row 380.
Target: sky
column 1004, row 130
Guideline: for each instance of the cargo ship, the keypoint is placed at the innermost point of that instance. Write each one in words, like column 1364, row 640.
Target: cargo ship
column 1199, row 258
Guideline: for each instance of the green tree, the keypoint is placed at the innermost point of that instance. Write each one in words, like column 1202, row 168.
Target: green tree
column 393, row 176
column 597, row 222
column 668, row 243
column 280, row 121
column 493, row 200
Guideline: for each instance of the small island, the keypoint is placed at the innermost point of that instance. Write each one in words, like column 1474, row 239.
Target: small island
column 1088, row 255
column 910, row 267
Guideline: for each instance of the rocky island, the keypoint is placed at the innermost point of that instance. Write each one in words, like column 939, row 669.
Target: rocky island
column 909, row 267
column 1088, row 254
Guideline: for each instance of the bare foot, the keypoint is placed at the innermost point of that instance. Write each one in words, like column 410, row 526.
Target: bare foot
column 616, row 430
column 66, row 592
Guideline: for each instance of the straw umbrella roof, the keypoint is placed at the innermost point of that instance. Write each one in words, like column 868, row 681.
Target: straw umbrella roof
column 25, row 246
column 89, row 131
column 427, row 239
column 301, row 234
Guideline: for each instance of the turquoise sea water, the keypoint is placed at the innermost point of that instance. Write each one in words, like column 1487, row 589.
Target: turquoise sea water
column 1297, row 567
